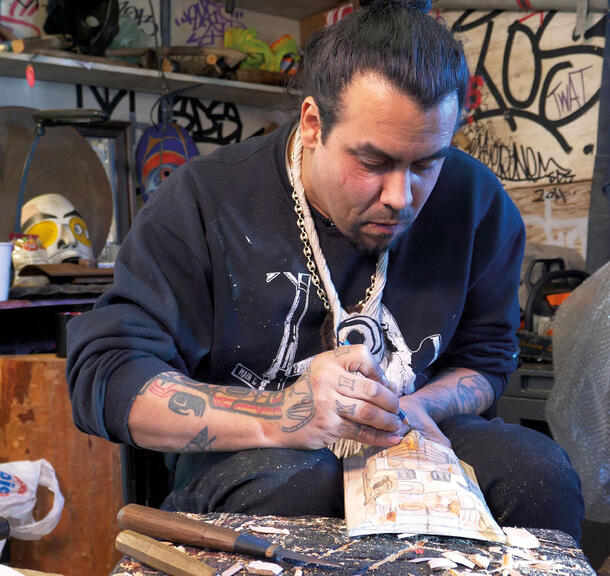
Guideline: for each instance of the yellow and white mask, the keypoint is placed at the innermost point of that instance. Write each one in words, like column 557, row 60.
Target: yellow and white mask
column 60, row 228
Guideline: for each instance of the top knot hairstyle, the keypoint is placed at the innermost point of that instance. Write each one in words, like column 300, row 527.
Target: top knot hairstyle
column 393, row 38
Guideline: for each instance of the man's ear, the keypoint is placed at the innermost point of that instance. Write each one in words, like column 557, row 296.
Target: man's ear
column 310, row 123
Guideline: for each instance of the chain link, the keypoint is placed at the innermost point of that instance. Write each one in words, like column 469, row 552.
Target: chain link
column 311, row 265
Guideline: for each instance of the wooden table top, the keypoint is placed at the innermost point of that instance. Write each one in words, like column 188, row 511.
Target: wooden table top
column 383, row 554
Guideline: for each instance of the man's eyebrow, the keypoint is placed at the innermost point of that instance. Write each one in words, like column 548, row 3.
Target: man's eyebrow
column 369, row 149
column 440, row 153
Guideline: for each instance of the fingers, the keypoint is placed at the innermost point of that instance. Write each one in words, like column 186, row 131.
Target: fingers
column 367, row 434
column 362, row 412
column 356, row 389
column 361, row 377
column 415, row 417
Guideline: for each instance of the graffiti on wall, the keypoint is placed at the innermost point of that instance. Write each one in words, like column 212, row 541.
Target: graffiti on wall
column 210, row 122
column 107, row 99
column 531, row 112
column 206, row 22
column 24, row 18
column 556, row 88
column 141, row 15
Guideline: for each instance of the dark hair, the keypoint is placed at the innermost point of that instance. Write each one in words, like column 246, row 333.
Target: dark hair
column 395, row 39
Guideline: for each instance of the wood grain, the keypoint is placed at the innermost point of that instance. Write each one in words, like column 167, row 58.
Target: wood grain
column 36, row 422
column 161, row 556
column 556, row 214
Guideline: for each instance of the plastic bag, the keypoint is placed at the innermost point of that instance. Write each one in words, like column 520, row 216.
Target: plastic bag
column 18, row 484
column 577, row 406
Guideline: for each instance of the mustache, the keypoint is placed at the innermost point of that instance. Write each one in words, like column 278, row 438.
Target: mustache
column 393, row 217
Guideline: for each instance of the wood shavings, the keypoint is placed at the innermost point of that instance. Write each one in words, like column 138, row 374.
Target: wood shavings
column 480, row 560
column 495, row 549
column 269, row 530
column 263, row 568
column 298, row 572
column 232, row 569
column 521, row 538
column 441, row 564
column 458, row 558
column 423, row 559
column 391, row 558
column 520, row 553
column 405, row 535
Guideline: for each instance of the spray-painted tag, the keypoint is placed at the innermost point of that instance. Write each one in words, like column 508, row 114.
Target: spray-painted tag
column 30, row 75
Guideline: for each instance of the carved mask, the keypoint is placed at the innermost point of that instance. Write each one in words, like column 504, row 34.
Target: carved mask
column 62, row 231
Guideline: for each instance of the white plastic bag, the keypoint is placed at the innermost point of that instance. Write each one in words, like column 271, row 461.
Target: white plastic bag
column 18, row 484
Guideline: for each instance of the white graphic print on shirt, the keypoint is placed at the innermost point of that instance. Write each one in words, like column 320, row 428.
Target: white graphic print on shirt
column 401, row 364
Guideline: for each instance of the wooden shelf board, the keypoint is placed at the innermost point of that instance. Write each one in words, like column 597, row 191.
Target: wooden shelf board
column 63, row 70
column 295, row 9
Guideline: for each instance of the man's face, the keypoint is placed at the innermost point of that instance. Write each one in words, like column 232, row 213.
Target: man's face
column 380, row 161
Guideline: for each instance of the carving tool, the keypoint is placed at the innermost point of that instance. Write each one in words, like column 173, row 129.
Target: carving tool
column 177, row 528
column 161, row 556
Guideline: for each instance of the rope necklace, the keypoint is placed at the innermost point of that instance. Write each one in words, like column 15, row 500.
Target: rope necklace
column 367, row 320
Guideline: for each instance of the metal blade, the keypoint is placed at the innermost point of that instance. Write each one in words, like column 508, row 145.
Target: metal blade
column 283, row 554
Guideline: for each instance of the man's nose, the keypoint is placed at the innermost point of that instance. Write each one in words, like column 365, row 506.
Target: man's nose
column 396, row 191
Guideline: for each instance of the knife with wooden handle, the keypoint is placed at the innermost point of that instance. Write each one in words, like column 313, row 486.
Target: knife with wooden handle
column 161, row 556
column 178, row 528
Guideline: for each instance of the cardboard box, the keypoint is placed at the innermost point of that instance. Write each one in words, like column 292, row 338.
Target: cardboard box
column 318, row 21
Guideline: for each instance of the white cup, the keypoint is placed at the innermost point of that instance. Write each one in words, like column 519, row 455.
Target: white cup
column 5, row 269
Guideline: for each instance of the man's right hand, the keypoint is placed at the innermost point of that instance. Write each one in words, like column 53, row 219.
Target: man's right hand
column 343, row 394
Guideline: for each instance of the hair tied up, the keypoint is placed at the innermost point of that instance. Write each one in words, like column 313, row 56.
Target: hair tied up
column 416, row 5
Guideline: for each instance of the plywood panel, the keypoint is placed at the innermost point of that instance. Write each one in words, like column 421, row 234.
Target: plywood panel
column 36, row 422
column 555, row 214
column 534, row 93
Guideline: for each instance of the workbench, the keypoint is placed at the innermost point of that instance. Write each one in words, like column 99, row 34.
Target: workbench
column 385, row 554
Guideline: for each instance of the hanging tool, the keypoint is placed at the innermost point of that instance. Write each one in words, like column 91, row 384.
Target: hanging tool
column 176, row 528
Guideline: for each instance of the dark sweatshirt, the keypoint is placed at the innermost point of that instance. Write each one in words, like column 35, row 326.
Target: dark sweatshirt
column 211, row 281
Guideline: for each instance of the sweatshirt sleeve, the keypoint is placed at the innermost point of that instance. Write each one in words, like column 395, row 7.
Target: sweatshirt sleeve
column 144, row 325
column 485, row 339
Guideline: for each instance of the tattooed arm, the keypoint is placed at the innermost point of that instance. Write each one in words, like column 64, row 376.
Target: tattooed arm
column 343, row 394
column 454, row 391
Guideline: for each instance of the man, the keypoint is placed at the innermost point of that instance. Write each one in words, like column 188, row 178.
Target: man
column 209, row 344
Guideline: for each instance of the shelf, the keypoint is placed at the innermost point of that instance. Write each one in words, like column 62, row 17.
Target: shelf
column 64, row 70
column 295, row 9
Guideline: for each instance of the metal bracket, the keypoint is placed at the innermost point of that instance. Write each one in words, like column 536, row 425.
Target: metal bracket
column 582, row 14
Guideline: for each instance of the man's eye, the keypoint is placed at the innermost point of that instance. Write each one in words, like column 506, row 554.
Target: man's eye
column 425, row 165
column 373, row 166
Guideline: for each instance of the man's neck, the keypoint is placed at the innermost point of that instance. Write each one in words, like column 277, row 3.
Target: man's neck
column 304, row 178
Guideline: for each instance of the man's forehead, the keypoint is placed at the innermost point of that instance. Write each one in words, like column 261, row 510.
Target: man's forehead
column 382, row 88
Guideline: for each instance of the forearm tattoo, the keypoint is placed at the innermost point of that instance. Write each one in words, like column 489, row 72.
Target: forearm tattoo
column 294, row 405
column 300, row 408
column 472, row 395
column 185, row 404
column 239, row 400
column 200, row 443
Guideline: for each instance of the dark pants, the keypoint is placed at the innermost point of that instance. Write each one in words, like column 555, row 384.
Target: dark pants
column 526, row 478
